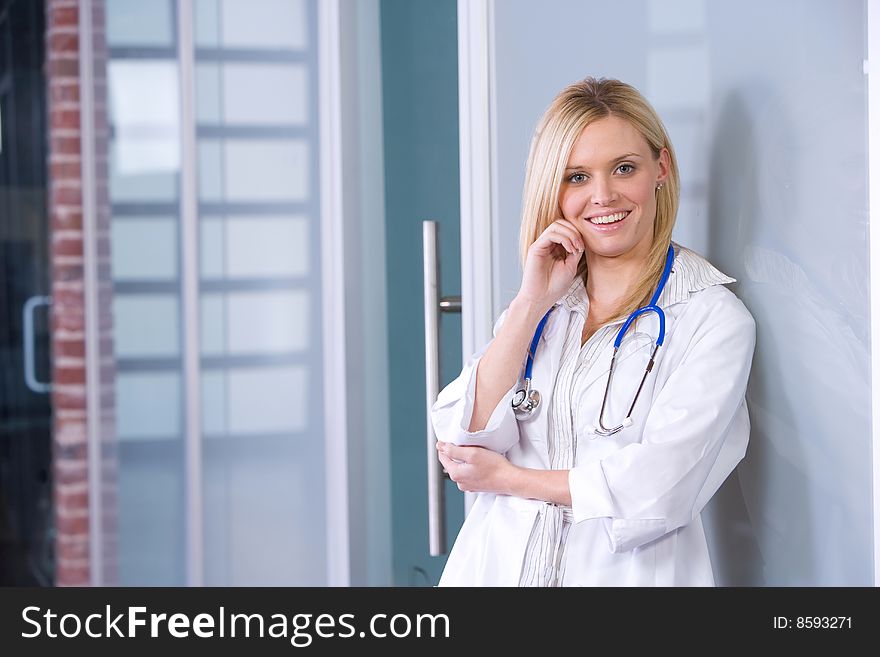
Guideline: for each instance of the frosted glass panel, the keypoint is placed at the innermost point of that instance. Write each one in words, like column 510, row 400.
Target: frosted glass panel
column 267, row 322
column 267, row 503
column 206, row 14
column 144, row 249
column 143, row 106
column 138, row 134
column 260, row 170
column 129, row 183
column 148, row 405
column 268, row 247
column 678, row 77
column 254, row 322
column 210, row 170
column 737, row 85
column 213, row 402
column 259, row 270
column 208, row 93
column 267, row 399
column 151, row 546
column 213, row 325
column 211, row 248
column 265, row 93
column 139, row 23
column 263, row 24
column 676, row 16
column 147, row 325
column 255, row 247
column 252, row 94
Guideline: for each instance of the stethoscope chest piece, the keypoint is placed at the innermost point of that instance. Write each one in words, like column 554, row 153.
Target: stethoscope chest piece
column 525, row 402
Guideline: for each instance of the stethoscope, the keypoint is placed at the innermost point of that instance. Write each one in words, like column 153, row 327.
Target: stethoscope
column 526, row 401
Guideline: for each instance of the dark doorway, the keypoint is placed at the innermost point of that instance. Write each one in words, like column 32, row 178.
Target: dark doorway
column 26, row 518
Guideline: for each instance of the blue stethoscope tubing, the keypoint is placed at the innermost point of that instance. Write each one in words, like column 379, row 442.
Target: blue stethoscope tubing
column 526, row 400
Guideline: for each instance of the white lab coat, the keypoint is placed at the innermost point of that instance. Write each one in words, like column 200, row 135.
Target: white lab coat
column 636, row 496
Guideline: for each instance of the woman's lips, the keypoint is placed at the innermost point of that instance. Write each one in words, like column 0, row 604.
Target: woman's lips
column 611, row 221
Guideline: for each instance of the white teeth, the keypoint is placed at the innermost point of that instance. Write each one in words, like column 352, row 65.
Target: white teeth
column 609, row 218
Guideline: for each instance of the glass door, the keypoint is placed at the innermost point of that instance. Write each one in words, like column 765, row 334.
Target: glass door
column 26, row 519
column 207, row 178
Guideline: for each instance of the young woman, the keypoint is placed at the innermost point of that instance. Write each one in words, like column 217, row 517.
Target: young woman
column 592, row 471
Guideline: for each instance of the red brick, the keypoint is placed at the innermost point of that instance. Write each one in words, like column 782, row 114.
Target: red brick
column 63, row 272
column 64, row 42
column 65, row 145
column 66, row 219
column 65, row 298
column 60, row 170
column 68, row 375
column 72, row 496
column 69, row 348
column 69, row 400
column 62, row 68
column 64, row 119
column 71, row 452
column 63, row 16
column 71, row 551
column 70, row 415
column 70, row 472
column 66, row 196
column 70, row 320
column 66, row 575
column 68, row 431
column 66, row 92
column 67, row 247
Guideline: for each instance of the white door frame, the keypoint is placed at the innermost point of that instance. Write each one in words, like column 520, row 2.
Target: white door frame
column 333, row 297
column 476, row 86
column 872, row 70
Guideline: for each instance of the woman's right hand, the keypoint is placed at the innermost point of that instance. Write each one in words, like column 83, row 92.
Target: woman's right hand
column 551, row 264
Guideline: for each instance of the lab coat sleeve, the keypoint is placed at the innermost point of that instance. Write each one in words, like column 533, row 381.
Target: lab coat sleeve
column 696, row 432
column 451, row 413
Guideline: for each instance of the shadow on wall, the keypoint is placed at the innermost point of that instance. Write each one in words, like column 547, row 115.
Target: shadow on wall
column 792, row 513
column 732, row 208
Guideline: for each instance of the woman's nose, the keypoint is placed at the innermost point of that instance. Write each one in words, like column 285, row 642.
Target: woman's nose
column 603, row 191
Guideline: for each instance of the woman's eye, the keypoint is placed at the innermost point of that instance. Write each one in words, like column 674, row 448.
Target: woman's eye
column 577, row 178
column 626, row 168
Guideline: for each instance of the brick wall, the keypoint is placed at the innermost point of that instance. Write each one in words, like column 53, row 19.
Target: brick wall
column 70, row 420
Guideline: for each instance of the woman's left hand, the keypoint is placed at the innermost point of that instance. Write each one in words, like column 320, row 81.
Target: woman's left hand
column 476, row 469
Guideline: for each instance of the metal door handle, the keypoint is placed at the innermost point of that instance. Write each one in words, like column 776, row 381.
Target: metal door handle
column 30, row 377
column 434, row 305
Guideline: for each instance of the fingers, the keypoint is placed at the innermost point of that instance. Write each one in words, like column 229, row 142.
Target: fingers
column 455, row 452
column 452, row 451
column 452, row 468
column 564, row 233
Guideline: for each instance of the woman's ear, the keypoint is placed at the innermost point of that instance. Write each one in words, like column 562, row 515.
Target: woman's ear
column 664, row 163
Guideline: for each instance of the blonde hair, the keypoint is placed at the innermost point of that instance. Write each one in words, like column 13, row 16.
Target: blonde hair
column 576, row 107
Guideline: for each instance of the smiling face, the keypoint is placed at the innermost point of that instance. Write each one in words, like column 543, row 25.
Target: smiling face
column 608, row 188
